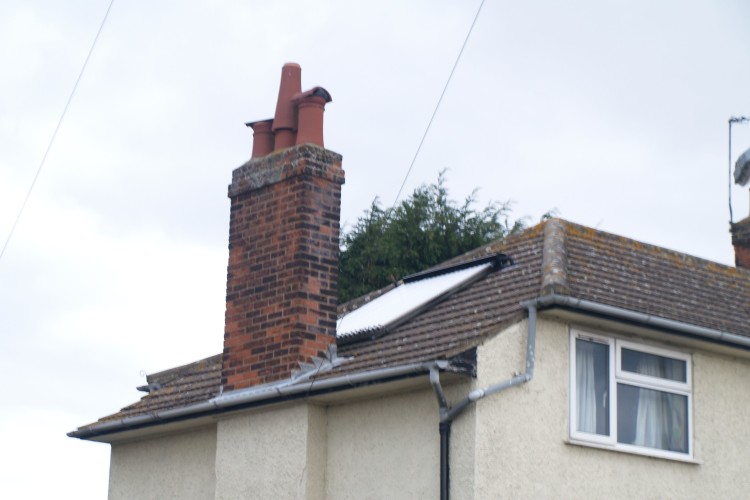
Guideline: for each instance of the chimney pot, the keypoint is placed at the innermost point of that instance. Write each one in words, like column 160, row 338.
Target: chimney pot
column 311, row 105
column 262, row 137
column 285, row 120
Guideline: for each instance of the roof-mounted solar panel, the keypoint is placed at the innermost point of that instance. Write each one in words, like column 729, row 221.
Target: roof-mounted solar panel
column 413, row 294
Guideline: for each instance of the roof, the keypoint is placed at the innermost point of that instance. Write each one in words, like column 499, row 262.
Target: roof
column 556, row 257
column 180, row 386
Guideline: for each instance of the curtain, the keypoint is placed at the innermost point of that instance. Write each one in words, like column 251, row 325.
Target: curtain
column 649, row 425
column 592, row 387
column 585, row 386
column 661, row 419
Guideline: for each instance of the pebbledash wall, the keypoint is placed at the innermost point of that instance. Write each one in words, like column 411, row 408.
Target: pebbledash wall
column 510, row 445
column 169, row 467
column 522, row 448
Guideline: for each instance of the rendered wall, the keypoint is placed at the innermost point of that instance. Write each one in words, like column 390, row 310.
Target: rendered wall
column 277, row 453
column 521, row 449
column 179, row 466
column 385, row 448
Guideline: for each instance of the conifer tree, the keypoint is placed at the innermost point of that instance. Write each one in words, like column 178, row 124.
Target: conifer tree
column 423, row 230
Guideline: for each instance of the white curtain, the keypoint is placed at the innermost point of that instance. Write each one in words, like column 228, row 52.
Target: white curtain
column 585, row 387
column 649, row 424
column 661, row 418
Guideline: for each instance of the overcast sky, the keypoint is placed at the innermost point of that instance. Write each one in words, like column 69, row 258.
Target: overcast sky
column 613, row 113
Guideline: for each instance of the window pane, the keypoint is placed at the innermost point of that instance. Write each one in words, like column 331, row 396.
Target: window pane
column 592, row 387
column 654, row 365
column 653, row 419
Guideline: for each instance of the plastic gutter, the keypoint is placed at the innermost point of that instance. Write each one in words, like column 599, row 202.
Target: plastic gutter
column 264, row 394
column 658, row 322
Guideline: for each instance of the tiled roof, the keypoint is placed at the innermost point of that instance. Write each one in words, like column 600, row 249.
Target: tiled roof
column 553, row 257
column 463, row 320
column 617, row 271
column 181, row 386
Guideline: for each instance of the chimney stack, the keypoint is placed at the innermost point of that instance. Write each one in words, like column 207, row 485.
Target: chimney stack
column 741, row 242
column 282, row 276
column 741, row 230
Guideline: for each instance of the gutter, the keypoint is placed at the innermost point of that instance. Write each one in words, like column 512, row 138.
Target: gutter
column 567, row 301
column 265, row 394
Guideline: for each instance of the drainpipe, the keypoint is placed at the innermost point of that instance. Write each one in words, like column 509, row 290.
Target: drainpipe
column 449, row 413
column 445, row 471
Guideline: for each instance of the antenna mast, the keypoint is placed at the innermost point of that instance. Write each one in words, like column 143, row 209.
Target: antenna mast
column 733, row 119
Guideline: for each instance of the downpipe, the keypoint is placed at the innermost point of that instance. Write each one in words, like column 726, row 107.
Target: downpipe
column 449, row 413
column 445, row 472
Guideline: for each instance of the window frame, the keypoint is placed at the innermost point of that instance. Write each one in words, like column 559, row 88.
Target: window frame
column 618, row 375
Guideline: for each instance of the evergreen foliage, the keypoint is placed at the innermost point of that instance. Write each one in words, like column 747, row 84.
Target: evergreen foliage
column 423, row 230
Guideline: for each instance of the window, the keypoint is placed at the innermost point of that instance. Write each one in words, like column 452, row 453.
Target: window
column 630, row 397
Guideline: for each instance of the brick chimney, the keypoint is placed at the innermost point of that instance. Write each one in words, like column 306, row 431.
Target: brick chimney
column 282, row 276
column 741, row 230
column 741, row 243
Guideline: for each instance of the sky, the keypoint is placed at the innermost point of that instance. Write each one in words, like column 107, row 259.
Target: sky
column 614, row 114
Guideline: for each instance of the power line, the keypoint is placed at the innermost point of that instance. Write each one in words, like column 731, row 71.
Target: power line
column 57, row 128
column 437, row 106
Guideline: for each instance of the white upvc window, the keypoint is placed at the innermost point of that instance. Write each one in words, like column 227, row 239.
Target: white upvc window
column 630, row 397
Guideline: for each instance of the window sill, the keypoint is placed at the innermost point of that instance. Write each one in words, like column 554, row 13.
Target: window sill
column 631, row 451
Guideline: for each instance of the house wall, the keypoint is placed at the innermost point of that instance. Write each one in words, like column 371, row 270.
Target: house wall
column 384, row 448
column 278, row 452
column 387, row 447
column 521, row 449
column 179, row 466
column 508, row 445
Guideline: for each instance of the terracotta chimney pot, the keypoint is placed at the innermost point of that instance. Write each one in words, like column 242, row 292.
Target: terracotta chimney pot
column 262, row 137
column 284, row 122
column 311, row 105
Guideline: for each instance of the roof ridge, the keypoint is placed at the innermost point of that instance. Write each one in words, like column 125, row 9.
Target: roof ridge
column 554, row 259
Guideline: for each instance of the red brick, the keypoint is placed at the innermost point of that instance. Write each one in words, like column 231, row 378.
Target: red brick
column 283, row 264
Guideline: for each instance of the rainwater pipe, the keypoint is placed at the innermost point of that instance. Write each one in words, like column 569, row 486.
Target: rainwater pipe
column 449, row 413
